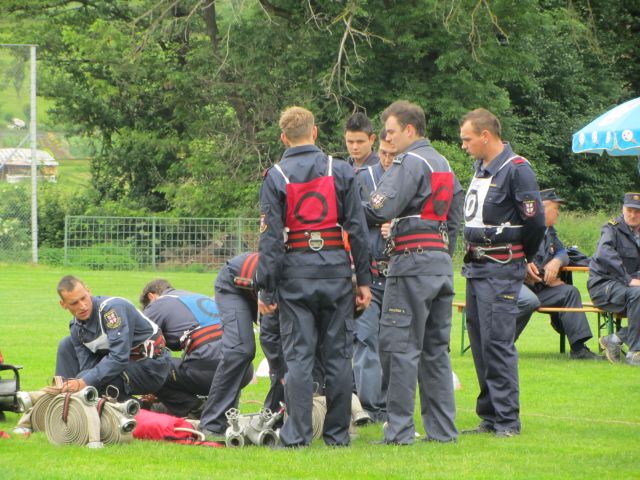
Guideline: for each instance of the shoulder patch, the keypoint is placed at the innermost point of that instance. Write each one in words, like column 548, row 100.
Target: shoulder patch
column 263, row 223
column 377, row 200
column 112, row 319
column 613, row 221
column 399, row 159
column 530, row 207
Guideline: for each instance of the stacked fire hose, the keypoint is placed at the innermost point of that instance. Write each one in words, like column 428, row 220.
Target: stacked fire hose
column 80, row 418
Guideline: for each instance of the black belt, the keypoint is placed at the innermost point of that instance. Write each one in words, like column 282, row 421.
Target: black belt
column 314, row 241
column 497, row 253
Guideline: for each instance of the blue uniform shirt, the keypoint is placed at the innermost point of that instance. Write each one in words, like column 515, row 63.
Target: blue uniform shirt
column 113, row 329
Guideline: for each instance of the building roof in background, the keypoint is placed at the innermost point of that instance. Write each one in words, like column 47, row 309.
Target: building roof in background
column 22, row 156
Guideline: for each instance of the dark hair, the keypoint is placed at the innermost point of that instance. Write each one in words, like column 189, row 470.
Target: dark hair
column 68, row 283
column 482, row 119
column 359, row 122
column 407, row 113
column 157, row 286
column 383, row 134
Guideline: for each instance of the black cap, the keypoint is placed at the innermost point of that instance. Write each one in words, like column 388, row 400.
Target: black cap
column 632, row 200
column 549, row 194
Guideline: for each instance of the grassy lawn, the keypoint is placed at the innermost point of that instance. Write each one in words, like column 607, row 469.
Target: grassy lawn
column 580, row 420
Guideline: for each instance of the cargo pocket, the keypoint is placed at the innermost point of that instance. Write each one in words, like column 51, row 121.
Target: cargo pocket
column 349, row 327
column 503, row 321
column 395, row 329
column 286, row 339
column 231, row 337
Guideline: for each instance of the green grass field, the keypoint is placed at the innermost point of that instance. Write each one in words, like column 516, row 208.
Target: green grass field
column 580, row 420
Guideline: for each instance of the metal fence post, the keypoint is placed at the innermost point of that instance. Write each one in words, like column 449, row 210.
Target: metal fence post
column 66, row 239
column 153, row 242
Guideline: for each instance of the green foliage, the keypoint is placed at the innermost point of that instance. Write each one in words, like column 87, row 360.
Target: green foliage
column 182, row 99
column 103, row 257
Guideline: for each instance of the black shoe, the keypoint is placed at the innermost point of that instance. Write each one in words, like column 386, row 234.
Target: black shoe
column 506, row 433
column 384, row 442
column 482, row 428
column 611, row 348
column 435, row 440
column 584, row 354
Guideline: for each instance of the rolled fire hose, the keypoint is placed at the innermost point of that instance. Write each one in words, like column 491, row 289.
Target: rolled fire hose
column 40, row 401
column 117, row 420
column 72, row 419
column 318, row 412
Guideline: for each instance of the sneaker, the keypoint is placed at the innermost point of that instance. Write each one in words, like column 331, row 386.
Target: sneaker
column 583, row 354
column 611, row 348
column 633, row 358
column 482, row 428
column 506, row 433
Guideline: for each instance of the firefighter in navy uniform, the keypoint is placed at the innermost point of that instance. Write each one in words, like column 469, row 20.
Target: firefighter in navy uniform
column 190, row 322
column 543, row 280
column 367, row 368
column 113, row 343
column 235, row 296
column 309, row 196
column 614, row 278
column 504, row 224
column 422, row 198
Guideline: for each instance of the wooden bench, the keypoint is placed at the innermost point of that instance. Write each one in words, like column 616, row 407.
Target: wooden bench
column 606, row 321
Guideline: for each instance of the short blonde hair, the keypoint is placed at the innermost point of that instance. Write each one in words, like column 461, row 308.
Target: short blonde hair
column 297, row 123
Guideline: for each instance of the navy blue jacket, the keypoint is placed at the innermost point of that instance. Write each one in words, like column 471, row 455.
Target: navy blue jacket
column 302, row 164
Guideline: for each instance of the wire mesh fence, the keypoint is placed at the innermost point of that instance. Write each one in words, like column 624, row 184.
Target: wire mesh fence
column 156, row 243
column 15, row 168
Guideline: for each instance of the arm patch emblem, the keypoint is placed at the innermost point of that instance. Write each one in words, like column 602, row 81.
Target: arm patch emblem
column 530, row 207
column 263, row 223
column 112, row 319
column 377, row 200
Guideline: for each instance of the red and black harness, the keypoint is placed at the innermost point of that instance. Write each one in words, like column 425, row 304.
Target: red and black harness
column 200, row 336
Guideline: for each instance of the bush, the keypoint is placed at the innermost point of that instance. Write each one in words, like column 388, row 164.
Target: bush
column 104, row 256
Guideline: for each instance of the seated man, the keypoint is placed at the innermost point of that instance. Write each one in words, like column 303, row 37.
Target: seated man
column 614, row 278
column 111, row 343
column 189, row 322
column 543, row 280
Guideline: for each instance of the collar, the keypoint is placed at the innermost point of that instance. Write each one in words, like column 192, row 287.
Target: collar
column 495, row 164
column 420, row 143
column 300, row 149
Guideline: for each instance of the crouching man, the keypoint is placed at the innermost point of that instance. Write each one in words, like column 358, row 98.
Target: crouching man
column 111, row 343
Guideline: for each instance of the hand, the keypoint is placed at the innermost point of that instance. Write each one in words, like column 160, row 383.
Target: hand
column 533, row 273
column 635, row 282
column 265, row 309
column 385, row 229
column 551, row 271
column 73, row 385
column 363, row 297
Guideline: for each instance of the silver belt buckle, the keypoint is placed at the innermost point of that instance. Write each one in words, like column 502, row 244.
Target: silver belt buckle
column 316, row 242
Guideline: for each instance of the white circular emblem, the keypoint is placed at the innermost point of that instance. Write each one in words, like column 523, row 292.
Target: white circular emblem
column 627, row 135
column 471, row 205
column 581, row 138
column 594, row 137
